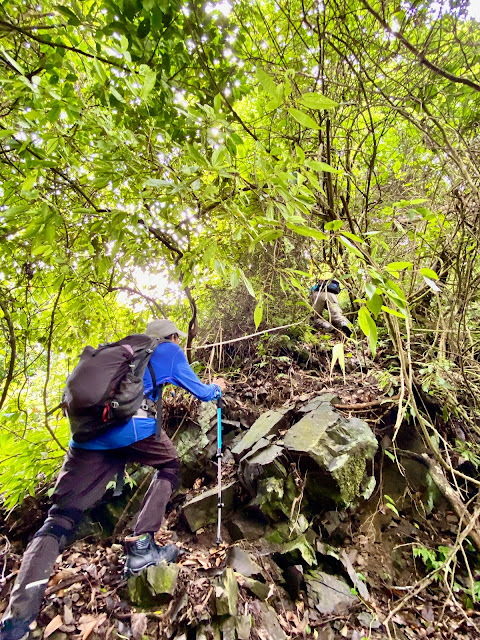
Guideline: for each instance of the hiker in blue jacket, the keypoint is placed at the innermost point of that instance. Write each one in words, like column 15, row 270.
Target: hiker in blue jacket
column 89, row 466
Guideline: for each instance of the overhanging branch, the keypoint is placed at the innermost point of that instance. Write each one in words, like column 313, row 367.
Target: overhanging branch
column 420, row 56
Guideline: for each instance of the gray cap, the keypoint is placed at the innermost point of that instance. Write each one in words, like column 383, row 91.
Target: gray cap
column 162, row 329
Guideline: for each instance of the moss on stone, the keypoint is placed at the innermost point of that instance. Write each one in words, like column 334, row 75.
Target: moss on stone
column 349, row 477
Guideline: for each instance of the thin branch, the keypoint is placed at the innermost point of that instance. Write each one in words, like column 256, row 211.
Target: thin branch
column 358, row 406
column 13, row 350
column 159, row 235
column 193, row 324
column 49, row 357
column 420, row 56
column 110, row 289
column 55, row 45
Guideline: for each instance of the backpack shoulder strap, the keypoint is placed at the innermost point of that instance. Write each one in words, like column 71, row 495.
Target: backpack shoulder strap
column 158, row 427
column 152, row 374
column 154, row 344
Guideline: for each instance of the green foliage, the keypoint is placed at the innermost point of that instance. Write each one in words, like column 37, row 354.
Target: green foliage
column 390, row 504
column 150, row 150
column 470, row 451
column 433, row 559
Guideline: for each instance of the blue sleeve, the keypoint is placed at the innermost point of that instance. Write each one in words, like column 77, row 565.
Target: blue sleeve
column 184, row 376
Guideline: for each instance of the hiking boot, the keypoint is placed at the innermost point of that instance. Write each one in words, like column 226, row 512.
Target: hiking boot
column 143, row 552
column 14, row 629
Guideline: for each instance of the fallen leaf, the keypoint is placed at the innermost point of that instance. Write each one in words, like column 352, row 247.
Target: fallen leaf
column 427, row 613
column 67, row 615
column 139, row 625
column 53, row 625
column 88, row 628
column 88, row 623
column 205, row 564
column 271, row 591
column 61, row 575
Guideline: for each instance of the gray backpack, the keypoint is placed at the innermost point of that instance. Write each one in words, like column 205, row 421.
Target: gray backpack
column 106, row 387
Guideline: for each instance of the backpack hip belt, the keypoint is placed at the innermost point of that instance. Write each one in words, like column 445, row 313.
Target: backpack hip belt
column 148, row 409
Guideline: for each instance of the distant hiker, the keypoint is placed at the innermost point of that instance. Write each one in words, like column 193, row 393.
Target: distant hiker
column 324, row 295
column 90, row 465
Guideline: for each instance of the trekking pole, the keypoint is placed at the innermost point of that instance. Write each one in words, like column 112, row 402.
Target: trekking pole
column 219, row 468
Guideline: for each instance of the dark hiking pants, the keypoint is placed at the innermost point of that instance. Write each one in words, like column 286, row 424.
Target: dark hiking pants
column 80, row 484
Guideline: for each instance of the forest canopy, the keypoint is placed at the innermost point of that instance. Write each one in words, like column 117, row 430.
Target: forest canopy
column 210, row 162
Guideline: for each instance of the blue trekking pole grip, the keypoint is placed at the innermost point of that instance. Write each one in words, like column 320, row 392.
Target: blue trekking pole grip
column 219, row 468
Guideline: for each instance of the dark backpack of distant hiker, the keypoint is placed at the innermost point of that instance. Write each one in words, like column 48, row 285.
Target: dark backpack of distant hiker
column 106, row 387
column 332, row 286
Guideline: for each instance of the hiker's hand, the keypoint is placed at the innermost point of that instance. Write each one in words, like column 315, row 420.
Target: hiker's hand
column 221, row 383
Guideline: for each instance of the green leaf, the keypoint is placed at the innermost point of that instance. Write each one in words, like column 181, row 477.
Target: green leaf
column 312, row 178
column 248, row 284
column 218, row 156
column 352, row 236
column 391, row 505
column 398, row 266
column 392, row 312
column 351, row 247
column 219, row 267
column 333, row 225
column 30, row 181
column 409, row 203
column 32, row 229
column 278, row 99
column 369, row 328
column 268, row 236
column 429, row 273
column 390, row 455
column 209, row 253
column 393, row 288
column 149, row 80
column 157, row 182
column 68, row 13
column 116, row 94
column 144, row 28
column 234, row 278
column 316, row 165
column 317, row 101
column 300, row 154
column 267, row 83
column 100, row 71
column 13, row 211
column 307, row 231
column 44, row 249
column 258, row 313
column 303, row 118
column 16, row 65
column 51, row 145
column 196, row 155
column 375, row 304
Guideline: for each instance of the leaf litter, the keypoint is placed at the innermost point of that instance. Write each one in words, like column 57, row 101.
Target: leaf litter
column 87, row 598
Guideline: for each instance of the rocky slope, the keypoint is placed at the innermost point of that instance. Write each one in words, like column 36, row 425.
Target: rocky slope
column 323, row 535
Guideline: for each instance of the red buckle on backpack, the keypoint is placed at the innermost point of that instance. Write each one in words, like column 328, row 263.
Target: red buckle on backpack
column 106, row 413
